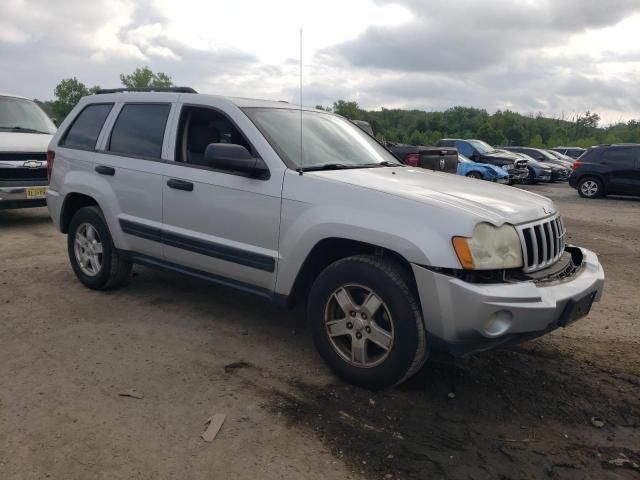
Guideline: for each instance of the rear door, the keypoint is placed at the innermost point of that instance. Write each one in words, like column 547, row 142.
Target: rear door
column 620, row 163
column 129, row 162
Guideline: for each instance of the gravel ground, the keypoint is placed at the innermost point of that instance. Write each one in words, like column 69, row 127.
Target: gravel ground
column 563, row 406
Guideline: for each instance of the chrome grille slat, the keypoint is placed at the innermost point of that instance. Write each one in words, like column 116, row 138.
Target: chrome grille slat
column 542, row 242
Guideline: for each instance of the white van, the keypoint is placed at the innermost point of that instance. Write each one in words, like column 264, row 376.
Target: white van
column 25, row 132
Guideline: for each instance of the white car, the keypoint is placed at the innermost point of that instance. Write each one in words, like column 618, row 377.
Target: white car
column 25, row 133
column 391, row 261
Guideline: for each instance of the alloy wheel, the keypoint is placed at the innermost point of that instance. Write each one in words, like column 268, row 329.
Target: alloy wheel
column 359, row 325
column 88, row 249
column 589, row 188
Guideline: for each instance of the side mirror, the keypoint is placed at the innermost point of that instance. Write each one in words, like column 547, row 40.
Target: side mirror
column 236, row 158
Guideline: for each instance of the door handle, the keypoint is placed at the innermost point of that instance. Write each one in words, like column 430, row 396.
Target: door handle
column 180, row 184
column 103, row 170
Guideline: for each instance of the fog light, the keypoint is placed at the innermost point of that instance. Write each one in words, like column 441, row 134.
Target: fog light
column 498, row 323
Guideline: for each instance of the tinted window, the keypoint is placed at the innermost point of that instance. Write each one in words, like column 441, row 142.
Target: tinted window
column 464, row 148
column 619, row 156
column 85, row 129
column 139, row 130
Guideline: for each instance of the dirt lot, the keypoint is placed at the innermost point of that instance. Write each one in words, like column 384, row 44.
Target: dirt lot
column 193, row 350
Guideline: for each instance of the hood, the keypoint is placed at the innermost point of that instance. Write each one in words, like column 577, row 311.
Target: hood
column 24, row 142
column 499, row 171
column 537, row 164
column 502, row 155
column 487, row 201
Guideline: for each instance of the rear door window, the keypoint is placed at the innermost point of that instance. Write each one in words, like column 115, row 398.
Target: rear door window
column 622, row 157
column 139, row 130
column 85, row 129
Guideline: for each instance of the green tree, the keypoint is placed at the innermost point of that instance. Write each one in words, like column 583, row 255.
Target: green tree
column 68, row 93
column 350, row 110
column 145, row 78
column 493, row 137
column 536, row 141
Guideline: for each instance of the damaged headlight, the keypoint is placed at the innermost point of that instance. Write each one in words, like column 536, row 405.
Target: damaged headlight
column 490, row 248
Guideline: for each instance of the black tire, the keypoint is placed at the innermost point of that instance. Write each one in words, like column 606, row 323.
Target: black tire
column 590, row 187
column 393, row 284
column 114, row 270
column 475, row 175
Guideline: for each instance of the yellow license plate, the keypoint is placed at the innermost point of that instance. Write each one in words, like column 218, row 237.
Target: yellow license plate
column 36, row 192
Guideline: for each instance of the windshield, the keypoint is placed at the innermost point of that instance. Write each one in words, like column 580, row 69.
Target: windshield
column 19, row 114
column 481, row 146
column 327, row 140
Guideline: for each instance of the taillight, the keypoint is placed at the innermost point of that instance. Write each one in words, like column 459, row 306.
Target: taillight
column 412, row 159
column 51, row 156
column 576, row 165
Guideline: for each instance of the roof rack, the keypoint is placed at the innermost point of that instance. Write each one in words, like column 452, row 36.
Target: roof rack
column 147, row 89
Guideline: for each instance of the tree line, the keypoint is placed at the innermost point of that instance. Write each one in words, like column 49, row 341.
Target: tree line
column 415, row 127
column 70, row 90
column 503, row 127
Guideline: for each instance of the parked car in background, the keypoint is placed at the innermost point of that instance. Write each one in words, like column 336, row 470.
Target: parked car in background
column 560, row 170
column 482, row 152
column 25, row 132
column 573, row 152
column 431, row 158
column 392, row 262
column 607, row 169
column 483, row 171
column 538, row 172
column 561, row 156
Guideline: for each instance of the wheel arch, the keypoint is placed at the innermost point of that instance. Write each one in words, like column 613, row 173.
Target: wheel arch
column 72, row 203
column 327, row 251
column 595, row 175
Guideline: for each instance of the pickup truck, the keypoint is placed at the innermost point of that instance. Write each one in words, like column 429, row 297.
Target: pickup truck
column 391, row 262
column 25, row 132
column 482, row 152
column 441, row 159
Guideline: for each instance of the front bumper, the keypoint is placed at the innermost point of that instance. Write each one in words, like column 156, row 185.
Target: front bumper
column 465, row 318
column 23, row 195
column 518, row 175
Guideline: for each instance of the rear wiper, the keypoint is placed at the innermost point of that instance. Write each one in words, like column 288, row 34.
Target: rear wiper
column 22, row 129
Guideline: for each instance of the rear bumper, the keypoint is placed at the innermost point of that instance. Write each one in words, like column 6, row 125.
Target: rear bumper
column 22, row 196
column 464, row 317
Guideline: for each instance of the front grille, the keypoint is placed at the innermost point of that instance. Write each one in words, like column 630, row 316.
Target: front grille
column 542, row 242
column 20, row 174
column 521, row 164
column 22, row 156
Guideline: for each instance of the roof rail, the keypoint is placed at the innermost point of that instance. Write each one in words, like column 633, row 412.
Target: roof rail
column 147, row 89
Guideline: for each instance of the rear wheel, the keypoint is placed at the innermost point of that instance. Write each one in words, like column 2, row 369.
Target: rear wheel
column 475, row 175
column 93, row 257
column 366, row 321
column 590, row 187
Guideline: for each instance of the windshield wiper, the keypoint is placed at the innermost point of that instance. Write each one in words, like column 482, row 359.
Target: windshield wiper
column 331, row 166
column 22, row 129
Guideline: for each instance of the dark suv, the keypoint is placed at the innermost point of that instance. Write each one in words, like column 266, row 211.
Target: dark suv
column 482, row 152
column 608, row 169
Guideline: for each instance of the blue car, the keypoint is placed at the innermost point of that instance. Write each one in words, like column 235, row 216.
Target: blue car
column 483, row 171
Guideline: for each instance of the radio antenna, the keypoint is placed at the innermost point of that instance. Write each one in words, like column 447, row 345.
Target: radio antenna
column 300, row 106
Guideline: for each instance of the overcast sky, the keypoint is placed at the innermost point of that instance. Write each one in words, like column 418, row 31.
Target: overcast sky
column 557, row 57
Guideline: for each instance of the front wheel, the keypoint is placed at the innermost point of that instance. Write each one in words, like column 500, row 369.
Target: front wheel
column 475, row 175
column 93, row 257
column 366, row 321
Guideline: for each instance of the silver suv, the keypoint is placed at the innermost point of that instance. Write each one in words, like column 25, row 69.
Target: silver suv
column 297, row 205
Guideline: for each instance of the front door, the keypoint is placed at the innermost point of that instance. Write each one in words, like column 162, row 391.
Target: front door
column 215, row 222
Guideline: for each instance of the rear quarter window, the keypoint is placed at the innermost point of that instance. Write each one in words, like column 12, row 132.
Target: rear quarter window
column 139, row 130
column 85, row 129
column 619, row 156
